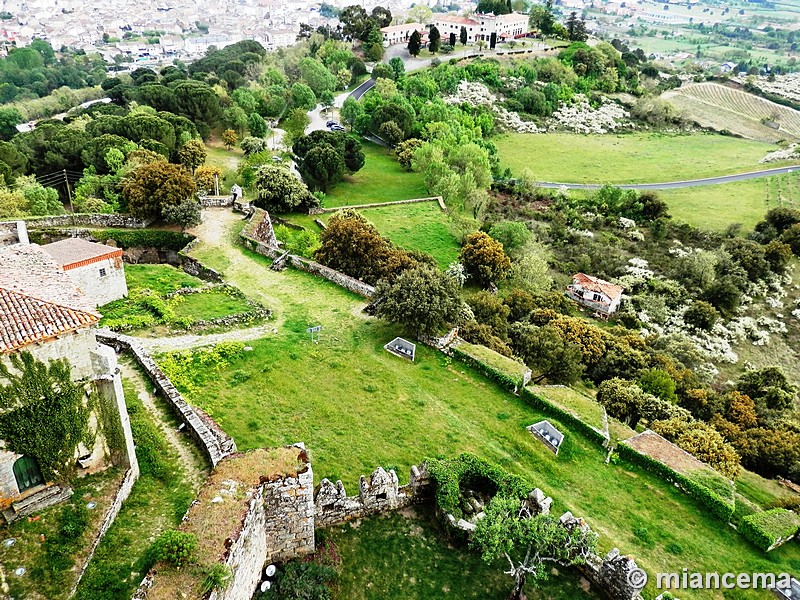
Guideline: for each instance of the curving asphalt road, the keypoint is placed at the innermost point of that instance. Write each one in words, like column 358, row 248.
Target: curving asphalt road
column 671, row 185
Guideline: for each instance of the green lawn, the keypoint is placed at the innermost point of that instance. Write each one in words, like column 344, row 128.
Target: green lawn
column 209, row 305
column 408, row 551
column 628, row 158
column 357, row 407
column 421, row 226
column 381, row 179
column 586, row 409
column 745, row 202
column 162, row 279
column 133, row 313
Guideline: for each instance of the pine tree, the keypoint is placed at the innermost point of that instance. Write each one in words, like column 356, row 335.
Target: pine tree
column 414, row 43
column 434, row 40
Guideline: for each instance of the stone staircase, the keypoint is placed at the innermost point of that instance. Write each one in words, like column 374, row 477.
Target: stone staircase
column 37, row 501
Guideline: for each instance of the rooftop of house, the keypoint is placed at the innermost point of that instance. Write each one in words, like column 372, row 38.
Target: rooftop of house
column 77, row 252
column 38, row 300
column 455, row 19
column 403, row 27
column 595, row 284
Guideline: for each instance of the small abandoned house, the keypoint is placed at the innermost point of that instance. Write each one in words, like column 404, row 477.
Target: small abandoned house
column 43, row 312
column 597, row 294
column 96, row 269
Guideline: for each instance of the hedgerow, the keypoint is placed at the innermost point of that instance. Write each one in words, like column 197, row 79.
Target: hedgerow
column 766, row 528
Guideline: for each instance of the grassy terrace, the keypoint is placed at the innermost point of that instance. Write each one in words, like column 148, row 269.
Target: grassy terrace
column 628, row 158
column 381, row 179
column 164, row 279
column 357, row 407
column 420, row 226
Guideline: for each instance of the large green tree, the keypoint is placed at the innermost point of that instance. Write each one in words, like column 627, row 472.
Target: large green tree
column 414, row 43
column 150, row 188
column 484, row 258
column 423, row 299
column 278, row 190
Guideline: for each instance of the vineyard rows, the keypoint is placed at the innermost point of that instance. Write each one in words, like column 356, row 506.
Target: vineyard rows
column 746, row 106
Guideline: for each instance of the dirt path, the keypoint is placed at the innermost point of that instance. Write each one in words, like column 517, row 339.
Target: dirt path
column 194, row 469
column 184, row 342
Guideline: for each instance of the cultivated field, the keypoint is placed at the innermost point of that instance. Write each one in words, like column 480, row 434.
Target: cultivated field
column 628, row 158
column 724, row 108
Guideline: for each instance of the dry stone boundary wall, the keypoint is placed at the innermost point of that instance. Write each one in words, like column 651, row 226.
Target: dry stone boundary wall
column 259, row 237
column 213, row 442
column 110, row 220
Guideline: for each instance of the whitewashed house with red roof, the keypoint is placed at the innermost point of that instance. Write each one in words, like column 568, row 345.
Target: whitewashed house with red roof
column 42, row 311
column 96, row 269
column 597, row 294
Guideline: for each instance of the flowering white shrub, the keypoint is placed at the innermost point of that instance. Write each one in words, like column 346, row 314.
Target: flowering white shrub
column 790, row 153
column 477, row 94
column 626, row 223
column 638, row 267
column 635, row 235
column 580, row 117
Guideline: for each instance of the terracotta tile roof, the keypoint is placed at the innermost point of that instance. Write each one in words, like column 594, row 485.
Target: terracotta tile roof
column 31, row 271
column 454, row 19
column 403, row 27
column 25, row 320
column 38, row 300
column 77, row 252
column 595, row 284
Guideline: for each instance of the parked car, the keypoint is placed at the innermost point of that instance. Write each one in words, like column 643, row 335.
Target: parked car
column 331, row 123
column 337, row 128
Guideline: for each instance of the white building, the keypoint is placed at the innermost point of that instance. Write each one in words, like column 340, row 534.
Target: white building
column 598, row 294
column 400, row 34
column 480, row 27
column 96, row 269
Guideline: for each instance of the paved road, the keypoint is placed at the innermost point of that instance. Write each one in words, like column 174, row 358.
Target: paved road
column 671, row 185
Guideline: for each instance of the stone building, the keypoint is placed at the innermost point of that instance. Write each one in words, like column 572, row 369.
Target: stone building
column 43, row 312
column 96, row 269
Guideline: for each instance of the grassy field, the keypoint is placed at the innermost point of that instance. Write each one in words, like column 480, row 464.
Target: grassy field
column 381, row 179
column 162, row 279
column 357, row 407
column 408, row 551
column 720, row 107
column 50, row 544
column 628, row 158
column 746, row 202
column 421, row 226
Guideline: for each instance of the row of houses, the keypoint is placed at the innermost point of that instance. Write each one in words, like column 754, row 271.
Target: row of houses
column 480, row 27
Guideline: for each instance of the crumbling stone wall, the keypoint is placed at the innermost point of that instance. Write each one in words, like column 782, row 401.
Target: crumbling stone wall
column 349, row 283
column 89, row 220
column 376, row 494
column 213, row 442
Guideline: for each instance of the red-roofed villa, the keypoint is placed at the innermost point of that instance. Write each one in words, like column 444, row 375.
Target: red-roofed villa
column 595, row 293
